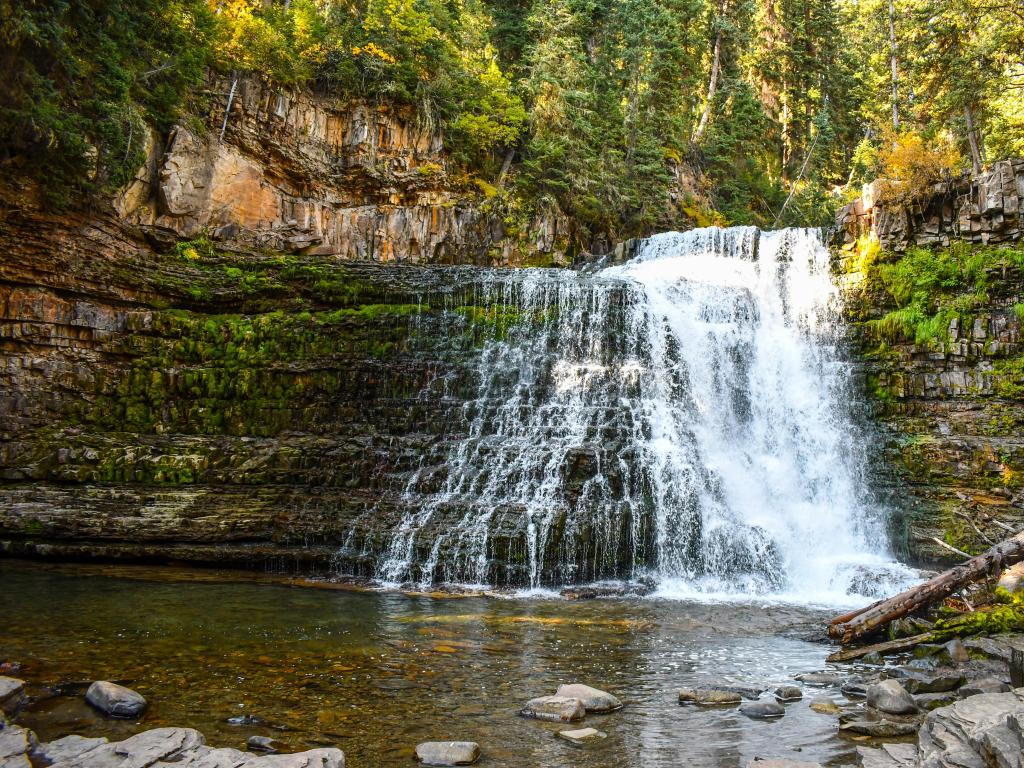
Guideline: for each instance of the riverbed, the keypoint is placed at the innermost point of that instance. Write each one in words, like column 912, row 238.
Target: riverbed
column 375, row 673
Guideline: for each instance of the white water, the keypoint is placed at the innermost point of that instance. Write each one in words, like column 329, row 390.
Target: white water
column 682, row 419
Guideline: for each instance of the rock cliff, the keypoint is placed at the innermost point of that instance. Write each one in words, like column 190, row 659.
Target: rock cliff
column 304, row 173
column 951, row 409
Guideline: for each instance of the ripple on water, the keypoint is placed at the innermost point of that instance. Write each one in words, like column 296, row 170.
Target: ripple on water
column 376, row 673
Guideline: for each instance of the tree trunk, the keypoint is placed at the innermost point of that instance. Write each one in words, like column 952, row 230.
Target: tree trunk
column 227, row 110
column 892, row 65
column 972, row 140
column 716, row 65
column 857, row 624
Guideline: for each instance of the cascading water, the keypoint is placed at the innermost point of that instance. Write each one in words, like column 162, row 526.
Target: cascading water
column 682, row 418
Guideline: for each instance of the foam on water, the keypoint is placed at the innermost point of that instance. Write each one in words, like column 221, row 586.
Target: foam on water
column 682, row 419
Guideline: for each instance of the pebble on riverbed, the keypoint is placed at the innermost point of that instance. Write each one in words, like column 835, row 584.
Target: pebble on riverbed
column 115, row 700
column 448, row 752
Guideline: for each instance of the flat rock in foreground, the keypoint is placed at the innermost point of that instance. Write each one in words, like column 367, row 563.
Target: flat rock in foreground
column 12, row 694
column 448, row 752
column 987, row 729
column 184, row 747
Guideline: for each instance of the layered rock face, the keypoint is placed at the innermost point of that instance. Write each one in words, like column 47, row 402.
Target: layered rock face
column 299, row 172
column 978, row 209
column 951, row 444
column 254, row 409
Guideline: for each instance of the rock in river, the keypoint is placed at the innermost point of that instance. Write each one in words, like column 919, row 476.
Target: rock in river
column 824, row 705
column 582, row 735
column 448, row 752
column 930, row 682
column 594, row 700
column 557, row 709
column 709, row 697
column 116, row 700
column 764, row 709
column 788, row 693
column 889, row 696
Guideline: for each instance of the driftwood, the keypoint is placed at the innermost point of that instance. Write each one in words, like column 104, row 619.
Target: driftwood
column 891, row 646
column 855, row 625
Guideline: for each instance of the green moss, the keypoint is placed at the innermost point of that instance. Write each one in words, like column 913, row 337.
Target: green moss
column 1008, row 378
column 932, row 287
column 1005, row 615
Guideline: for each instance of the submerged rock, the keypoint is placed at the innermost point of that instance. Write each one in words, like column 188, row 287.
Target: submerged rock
column 594, row 699
column 891, row 697
column 765, row 709
column 709, row 697
column 824, row 705
column 788, row 693
column 262, row 744
column 583, row 735
column 826, row 679
column 556, row 709
column 115, row 700
column 781, row 763
column 448, row 752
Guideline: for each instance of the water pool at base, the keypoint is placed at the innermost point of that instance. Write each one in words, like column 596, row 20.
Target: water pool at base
column 377, row 673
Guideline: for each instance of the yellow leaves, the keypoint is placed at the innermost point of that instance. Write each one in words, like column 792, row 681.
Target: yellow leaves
column 372, row 50
column 909, row 164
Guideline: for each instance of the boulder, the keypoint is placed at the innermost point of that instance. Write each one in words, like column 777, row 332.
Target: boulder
column 556, row 709
column 709, row 697
column 855, row 688
column 788, row 693
column 763, row 709
column 956, row 652
column 891, row 697
column 448, row 752
column 780, row 763
column 582, row 735
column 917, row 681
column 594, row 700
column 824, row 705
column 115, row 700
column 12, row 694
column 982, row 730
column 983, row 685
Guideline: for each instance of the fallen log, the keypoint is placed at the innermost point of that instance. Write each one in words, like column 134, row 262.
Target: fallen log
column 891, row 646
column 857, row 624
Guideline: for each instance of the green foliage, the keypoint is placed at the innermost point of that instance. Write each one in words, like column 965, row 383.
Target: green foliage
column 1005, row 615
column 932, row 287
column 84, row 80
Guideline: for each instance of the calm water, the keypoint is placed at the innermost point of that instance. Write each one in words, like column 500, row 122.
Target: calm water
column 376, row 673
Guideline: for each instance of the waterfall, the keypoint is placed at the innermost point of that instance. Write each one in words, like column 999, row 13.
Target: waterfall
column 682, row 419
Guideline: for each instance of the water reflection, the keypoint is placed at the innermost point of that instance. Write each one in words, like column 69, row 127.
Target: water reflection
column 376, row 673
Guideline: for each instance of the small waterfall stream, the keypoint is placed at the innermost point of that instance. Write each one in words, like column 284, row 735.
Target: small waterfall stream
column 682, row 419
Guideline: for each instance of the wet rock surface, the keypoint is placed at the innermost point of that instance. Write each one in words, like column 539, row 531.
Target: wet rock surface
column 583, row 735
column 556, row 709
column 891, row 697
column 764, row 709
column 593, row 699
column 12, row 694
column 448, row 752
column 709, row 697
column 115, row 700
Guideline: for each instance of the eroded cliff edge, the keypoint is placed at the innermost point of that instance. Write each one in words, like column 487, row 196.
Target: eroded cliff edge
column 935, row 299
